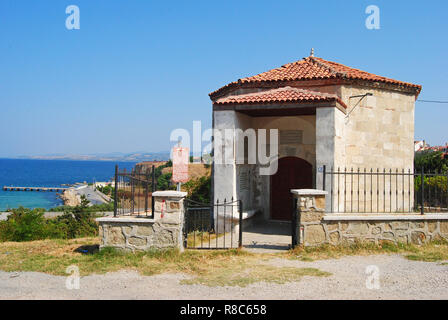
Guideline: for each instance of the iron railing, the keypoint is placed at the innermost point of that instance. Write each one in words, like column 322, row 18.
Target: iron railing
column 385, row 191
column 133, row 192
column 213, row 226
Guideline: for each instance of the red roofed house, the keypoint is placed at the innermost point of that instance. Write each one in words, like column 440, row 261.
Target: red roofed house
column 326, row 114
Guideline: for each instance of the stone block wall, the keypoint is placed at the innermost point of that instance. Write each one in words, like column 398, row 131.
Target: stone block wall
column 311, row 208
column 379, row 133
column 317, row 227
column 165, row 230
column 397, row 229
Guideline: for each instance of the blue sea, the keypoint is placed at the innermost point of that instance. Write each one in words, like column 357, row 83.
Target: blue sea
column 48, row 173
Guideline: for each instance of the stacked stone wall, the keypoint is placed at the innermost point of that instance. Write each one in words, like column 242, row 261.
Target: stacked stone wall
column 317, row 227
column 130, row 233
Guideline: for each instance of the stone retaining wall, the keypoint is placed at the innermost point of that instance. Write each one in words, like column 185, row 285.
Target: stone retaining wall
column 318, row 228
column 139, row 234
column 400, row 230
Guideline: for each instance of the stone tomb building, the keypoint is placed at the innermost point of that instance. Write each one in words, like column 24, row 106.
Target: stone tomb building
column 327, row 114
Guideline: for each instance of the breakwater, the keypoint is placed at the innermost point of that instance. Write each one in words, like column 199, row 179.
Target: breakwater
column 44, row 189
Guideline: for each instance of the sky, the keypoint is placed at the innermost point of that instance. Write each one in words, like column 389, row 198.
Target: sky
column 137, row 69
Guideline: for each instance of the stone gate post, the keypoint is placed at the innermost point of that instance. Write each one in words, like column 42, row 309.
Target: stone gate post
column 131, row 233
column 310, row 208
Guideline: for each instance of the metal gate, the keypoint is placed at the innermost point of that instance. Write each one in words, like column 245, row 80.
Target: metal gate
column 296, row 228
column 133, row 192
column 213, row 226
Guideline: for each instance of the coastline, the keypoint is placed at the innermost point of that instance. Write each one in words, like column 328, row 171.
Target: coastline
column 69, row 197
column 72, row 196
column 51, row 173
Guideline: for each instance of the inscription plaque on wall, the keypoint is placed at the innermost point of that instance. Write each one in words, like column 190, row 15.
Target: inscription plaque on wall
column 244, row 181
column 291, row 136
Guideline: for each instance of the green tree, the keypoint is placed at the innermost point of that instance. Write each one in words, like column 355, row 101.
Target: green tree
column 199, row 189
column 84, row 202
column 431, row 161
column 164, row 181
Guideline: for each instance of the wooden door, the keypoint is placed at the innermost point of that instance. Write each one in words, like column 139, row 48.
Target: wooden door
column 292, row 173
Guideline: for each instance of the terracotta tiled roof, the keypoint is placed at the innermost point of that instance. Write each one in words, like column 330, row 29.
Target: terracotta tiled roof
column 281, row 95
column 314, row 68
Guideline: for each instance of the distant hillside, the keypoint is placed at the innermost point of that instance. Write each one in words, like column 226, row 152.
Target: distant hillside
column 147, row 165
column 195, row 170
column 115, row 156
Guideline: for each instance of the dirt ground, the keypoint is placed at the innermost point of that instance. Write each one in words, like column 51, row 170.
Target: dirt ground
column 352, row 278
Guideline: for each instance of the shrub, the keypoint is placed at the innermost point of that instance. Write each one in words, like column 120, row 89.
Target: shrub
column 107, row 190
column 105, row 207
column 435, row 189
column 28, row 225
column 164, row 181
column 430, row 161
column 23, row 225
column 199, row 189
column 73, row 225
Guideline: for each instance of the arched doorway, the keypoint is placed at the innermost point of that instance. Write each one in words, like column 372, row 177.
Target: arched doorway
column 292, row 173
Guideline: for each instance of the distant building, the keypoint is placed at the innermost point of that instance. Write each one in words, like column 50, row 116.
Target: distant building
column 419, row 145
column 104, row 184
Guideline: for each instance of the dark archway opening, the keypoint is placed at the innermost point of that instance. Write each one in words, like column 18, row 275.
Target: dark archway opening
column 292, row 173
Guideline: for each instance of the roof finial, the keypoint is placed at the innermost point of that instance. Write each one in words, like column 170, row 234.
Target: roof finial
column 312, row 52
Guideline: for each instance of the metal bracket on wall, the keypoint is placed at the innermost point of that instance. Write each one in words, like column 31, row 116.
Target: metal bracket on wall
column 362, row 96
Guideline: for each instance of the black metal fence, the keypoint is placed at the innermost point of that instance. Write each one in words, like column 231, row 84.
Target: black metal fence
column 385, row 191
column 213, row 226
column 133, row 192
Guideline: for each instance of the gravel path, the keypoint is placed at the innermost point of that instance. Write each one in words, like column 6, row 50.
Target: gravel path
column 399, row 279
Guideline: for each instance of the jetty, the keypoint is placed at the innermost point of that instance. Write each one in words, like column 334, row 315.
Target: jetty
column 43, row 189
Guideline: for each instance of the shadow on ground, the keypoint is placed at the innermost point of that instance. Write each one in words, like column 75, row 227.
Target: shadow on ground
column 267, row 235
column 88, row 249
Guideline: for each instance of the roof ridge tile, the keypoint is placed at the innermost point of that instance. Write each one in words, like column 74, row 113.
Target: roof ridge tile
column 323, row 63
column 310, row 69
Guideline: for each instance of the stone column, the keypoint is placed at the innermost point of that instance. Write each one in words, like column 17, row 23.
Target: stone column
column 330, row 146
column 325, row 140
column 224, row 166
column 130, row 233
column 169, row 215
column 224, row 170
column 311, row 209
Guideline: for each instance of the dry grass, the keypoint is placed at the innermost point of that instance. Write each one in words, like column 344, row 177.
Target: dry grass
column 208, row 267
column 195, row 170
column 203, row 239
column 214, row 267
column 430, row 252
